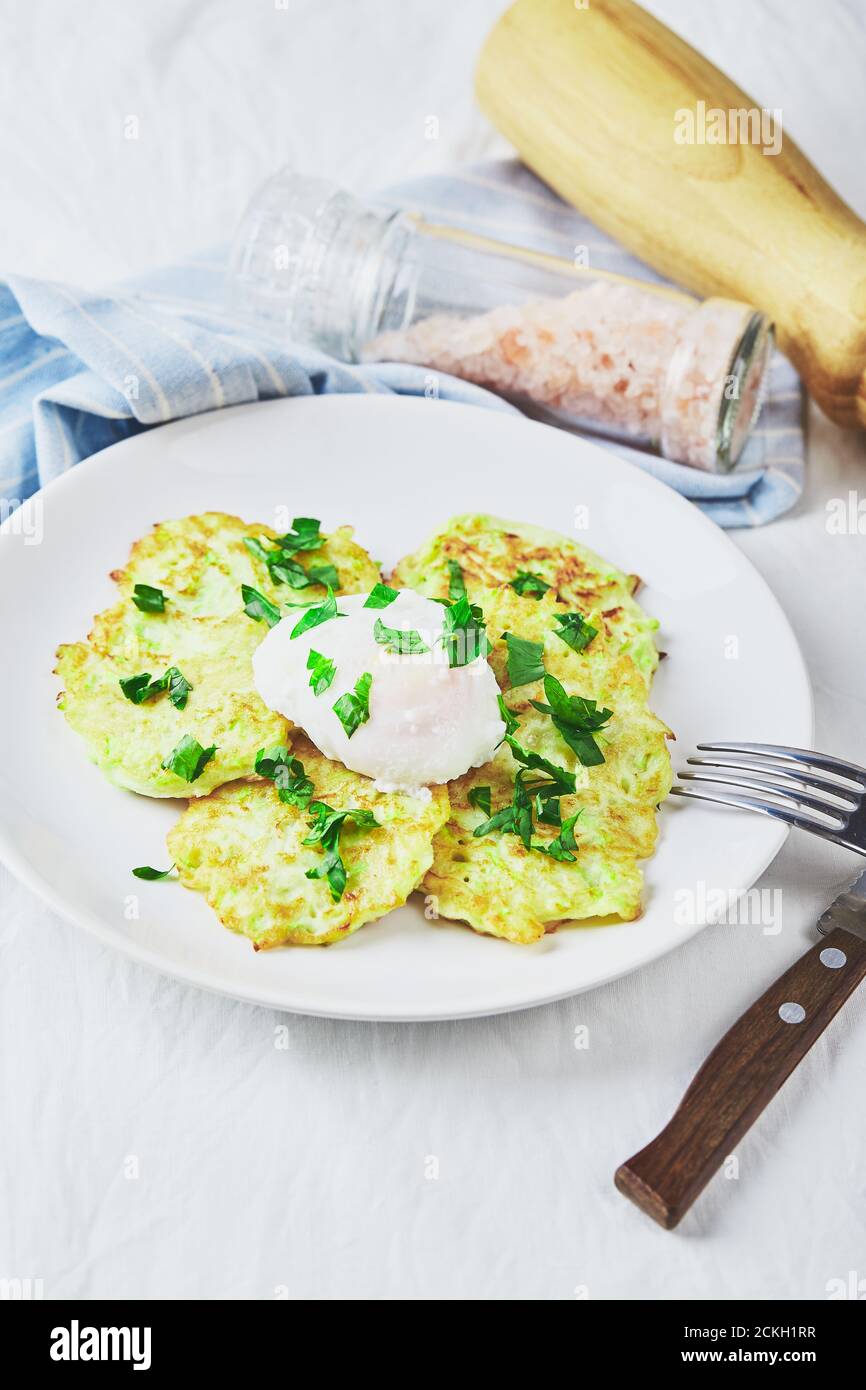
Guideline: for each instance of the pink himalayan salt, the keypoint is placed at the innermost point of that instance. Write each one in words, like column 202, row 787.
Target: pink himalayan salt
column 647, row 367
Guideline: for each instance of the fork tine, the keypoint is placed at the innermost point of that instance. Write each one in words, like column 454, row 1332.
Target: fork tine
column 852, row 771
column 751, row 803
column 780, row 769
column 789, row 796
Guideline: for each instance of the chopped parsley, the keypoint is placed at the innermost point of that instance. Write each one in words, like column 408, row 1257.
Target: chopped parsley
column 559, row 781
column 152, row 875
column 178, row 687
column 525, row 582
column 480, row 798
column 276, row 763
column 269, row 759
column 301, row 603
column 509, row 720
column 538, row 794
column 188, row 760
column 353, row 709
column 304, row 535
column 399, row 642
column 464, row 636
column 324, row 574
column 318, row 613
column 576, row 718
column 547, row 811
column 141, row 688
column 525, row 660
column 148, row 599
column 574, row 630
column 283, row 568
column 323, row 671
column 257, row 549
column 515, row 819
column 138, row 688
column 380, row 596
column 326, row 825
column 292, row 573
column 456, row 584
column 259, row 608
column 280, row 560
column 564, row 847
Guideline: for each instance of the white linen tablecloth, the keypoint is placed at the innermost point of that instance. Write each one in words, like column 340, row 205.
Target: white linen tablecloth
column 159, row 1142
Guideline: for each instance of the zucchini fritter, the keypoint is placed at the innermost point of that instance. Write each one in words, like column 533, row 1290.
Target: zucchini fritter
column 200, row 562
column 493, row 882
column 490, row 551
column 128, row 742
column 242, row 848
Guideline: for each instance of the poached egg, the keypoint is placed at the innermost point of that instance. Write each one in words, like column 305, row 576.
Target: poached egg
column 428, row 722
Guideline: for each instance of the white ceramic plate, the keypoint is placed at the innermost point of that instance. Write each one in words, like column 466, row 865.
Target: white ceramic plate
column 396, row 469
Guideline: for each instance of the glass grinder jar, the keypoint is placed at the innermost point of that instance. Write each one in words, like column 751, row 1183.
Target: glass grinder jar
column 629, row 360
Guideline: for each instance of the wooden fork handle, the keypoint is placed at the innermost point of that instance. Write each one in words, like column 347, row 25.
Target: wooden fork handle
column 740, row 1076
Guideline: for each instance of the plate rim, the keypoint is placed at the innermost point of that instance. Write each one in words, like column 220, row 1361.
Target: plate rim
column 90, row 921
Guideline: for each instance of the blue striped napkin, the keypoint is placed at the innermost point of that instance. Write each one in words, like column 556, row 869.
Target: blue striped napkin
column 80, row 370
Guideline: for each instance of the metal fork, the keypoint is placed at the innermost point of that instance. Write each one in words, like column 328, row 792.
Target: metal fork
column 802, row 795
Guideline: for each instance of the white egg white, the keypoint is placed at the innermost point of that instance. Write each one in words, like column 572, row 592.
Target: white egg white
column 429, row 722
